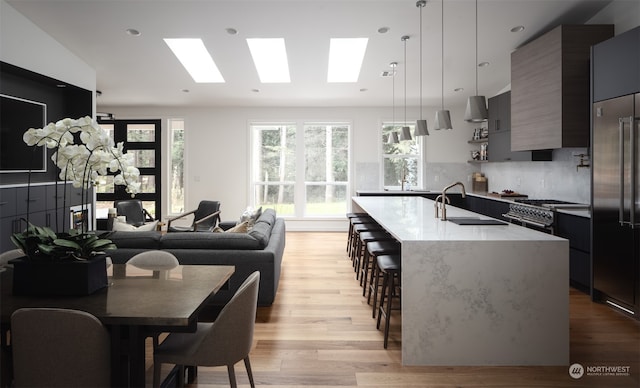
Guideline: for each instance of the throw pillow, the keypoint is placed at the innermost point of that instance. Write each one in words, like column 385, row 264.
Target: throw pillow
column 124, row 227
column 242, row 227
column 251, row 216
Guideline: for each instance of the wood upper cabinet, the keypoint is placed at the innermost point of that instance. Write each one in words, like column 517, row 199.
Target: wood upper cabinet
column 500, row 134
column 550, row 84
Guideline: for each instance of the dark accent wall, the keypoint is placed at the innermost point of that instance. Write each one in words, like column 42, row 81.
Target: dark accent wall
column 62, row 101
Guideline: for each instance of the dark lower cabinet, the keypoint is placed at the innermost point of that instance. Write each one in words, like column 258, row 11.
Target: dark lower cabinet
column 486, row 206
column 578, row 231
column 41, row 204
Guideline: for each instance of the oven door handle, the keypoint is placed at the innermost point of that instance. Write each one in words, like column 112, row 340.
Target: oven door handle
column 525, row 221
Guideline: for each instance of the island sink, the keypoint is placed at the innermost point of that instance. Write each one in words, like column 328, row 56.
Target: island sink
column 474, row 221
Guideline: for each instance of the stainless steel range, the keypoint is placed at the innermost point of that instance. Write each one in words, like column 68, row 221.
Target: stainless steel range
column 538, row 213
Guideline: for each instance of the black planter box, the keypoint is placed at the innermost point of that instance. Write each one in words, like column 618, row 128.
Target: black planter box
column 73, row 278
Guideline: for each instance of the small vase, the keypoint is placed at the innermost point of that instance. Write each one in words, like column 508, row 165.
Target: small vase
column 72, row 278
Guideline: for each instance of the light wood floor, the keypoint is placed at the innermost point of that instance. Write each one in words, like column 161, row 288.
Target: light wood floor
column 319, row 333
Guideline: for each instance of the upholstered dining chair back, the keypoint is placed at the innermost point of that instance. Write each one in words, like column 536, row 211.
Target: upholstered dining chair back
column 10, row 255
column 226, row 341
column 154, row 260
column 134, row 211
column 59, row 348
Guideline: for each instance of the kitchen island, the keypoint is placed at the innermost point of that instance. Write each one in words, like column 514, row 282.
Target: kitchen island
column 476, row 294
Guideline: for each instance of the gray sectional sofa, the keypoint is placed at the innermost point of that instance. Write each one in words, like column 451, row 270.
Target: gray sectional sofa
column 260, row 249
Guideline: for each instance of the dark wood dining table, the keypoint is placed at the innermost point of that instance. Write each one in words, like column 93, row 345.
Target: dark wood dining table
column 136, row 304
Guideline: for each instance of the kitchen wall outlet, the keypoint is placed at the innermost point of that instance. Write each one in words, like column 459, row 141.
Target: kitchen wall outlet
column 542, row 183
column 196, row 178
column 518, row 182
column 468, row 178
column 436, row 178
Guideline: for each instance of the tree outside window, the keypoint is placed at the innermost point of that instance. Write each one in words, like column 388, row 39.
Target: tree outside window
column 402, row 161
column 318, row 187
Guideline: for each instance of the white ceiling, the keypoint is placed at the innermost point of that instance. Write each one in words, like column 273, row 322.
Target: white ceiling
column 143, row 71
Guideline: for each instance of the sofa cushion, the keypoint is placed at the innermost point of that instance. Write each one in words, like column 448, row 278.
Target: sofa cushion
column 261, row 232
column 204, row 240
column 268, row 216
column 135, row 239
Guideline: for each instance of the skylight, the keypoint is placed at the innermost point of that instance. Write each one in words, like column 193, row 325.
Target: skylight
column 196, row 60
column 345, row 59
column 270, row 59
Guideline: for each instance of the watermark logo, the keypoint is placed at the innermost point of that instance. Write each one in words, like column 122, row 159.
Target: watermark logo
column 576, row 371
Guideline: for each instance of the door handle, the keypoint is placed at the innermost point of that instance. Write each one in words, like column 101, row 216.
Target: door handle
column 633, row 157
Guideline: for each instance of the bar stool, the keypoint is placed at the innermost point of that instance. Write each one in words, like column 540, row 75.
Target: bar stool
column 389, row 267
column 357, row 230
column 375, row 249
column 365, row 267
column 351, row 234
column 350, row 217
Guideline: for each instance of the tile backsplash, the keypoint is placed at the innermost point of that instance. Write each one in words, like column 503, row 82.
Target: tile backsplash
column 559, row 179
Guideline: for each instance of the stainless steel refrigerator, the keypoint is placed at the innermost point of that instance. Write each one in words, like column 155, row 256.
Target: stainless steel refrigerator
column 616, row 202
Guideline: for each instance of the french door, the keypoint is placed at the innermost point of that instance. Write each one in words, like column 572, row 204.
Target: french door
column 142, row 138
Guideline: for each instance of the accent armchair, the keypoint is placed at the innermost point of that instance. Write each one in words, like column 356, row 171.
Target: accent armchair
column 133, row 210
column 205, row 218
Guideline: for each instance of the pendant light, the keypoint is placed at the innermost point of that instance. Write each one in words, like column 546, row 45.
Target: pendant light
column 405, row 133
column 476, row 105
column 393, row 135
column 443, row 117
column 421, row 125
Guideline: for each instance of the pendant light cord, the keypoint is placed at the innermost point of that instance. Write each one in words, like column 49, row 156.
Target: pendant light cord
column 404, row 39
column 476, row 64
column 393, row 101
column 421, row 6
column 442, row 53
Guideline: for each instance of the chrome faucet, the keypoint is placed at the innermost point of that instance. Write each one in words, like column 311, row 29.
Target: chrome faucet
column 444, row 195
column 440, row 198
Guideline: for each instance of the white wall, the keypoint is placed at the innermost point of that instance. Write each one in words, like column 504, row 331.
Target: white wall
column 24, row 44
column 624, row 14
column 217, row 146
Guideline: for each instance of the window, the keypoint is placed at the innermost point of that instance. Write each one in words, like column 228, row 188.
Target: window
column 176, row 166
column 401, row 160
column 316, row 187
column 142, row 139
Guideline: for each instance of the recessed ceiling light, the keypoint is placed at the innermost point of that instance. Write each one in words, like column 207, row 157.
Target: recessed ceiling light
column 231, row 31
column 458, row 89
column 270, row 59
column 483, row 64
column 345, row 59
column 196, row 59
column 517, row 29
column 383, row 30
column 133, row 32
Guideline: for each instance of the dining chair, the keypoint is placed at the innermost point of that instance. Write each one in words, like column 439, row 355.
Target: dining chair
column 205, row 218
column 154, row 260
column 10, row 255
column 225, row 341
column 133, row 210
column 59, row 348
column 158, row 262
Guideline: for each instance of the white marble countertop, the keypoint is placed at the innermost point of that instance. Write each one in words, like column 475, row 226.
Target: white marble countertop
column 413, row 219
column 586, row 212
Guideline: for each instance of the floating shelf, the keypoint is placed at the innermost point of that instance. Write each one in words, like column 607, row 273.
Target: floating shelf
column 485, row 140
